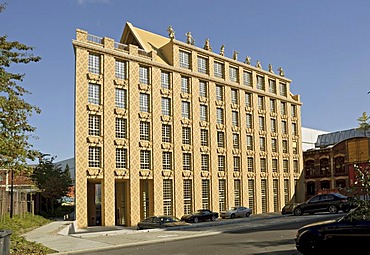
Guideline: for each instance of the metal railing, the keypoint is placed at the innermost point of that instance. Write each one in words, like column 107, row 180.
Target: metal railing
column 95, row 39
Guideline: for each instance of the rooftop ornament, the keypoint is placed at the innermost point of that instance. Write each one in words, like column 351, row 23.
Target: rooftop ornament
column 270, row 69
column 258, row 64
column 247, row 60
column 171, row 32
column 235, row 55
column 222, row 50
column 281, row 72
column 189, row 38
column 207, row 45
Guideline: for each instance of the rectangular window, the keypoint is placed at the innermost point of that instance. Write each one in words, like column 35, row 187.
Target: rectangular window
column 205, row 162
column 248, row 99
column 145, row 159
column 144, row 102
column 202, row 65
column 262, row 143
column 166, row 133
column 249, row 121
column 233, row 74
column 285, row 166
column 283, row 89
column 221, row 163
column 263, row 165
column 247, row 78
column 185, row 108
column 166, row 160
column 121, row 128
column 185, row 86
column 236, row 163
column 186, row 161
column 144, row 75
column 294, row 110
column 261, row 121
column 249, row 142
column 121, row 98
column 204, row 137
column 236, row 141
column 203, row 89
column 144, row 130
column 205, row 194
column 218, row 69
column 273, row 105
column 295, row 147
column 219, row 93
column 94, row 125
column 237, row 193
column 294, row 129
column 284, row 127
column 121, row 158
column 285, row 146
column 264, row 196
column 94, row 94
column 261, row 103
column 167, row 197
column 220, row 139
column 188, row 191
column 220, row 115
column 286, row 191
column 234, row 96
column 120, row 70
column 94, row 156
column 260, row 82
column 94, row 63
column 165, row 80
column 235, row 118
column 184, row 59
column 222, row 195
column 274, row 165
column 273, row 145
column 272, row 86
column 166, row 106
column 295, row 166
column 275, row 191
column 251, row 195
column 250, row 164
column 283, row 108
column 186, row 135
column 273, row 125
column 203, row 112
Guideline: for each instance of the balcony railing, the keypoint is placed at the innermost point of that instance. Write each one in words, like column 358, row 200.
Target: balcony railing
column 120, row 46
column 95, row 39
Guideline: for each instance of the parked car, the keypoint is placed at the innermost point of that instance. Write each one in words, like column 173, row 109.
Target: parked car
column 162, row 221
column 288, row 208
column 349, row 233
column 237, row 211
column 200, row 215
column 332, row 203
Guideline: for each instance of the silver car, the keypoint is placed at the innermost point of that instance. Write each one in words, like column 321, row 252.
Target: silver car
column 237, row 211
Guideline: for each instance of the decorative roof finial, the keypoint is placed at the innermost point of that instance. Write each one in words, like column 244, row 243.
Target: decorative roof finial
column 222, row 50
column 247, row 60
column 270, row 69
column 258, row 64
column 189, row 38
column 281, row 72
column 207, row 45
column 235, row 55
column 171, row 32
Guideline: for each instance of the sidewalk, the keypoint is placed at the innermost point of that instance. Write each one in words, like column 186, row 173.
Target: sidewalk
column 56, row 235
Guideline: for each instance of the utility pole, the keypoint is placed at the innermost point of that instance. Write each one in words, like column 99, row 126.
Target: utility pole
column 11, row 194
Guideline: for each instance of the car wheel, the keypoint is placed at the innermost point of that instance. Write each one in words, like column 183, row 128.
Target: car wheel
column 213, row 218
column 196, row 220
column 333, row 209
column 232, row 216
column 308, row 244
column 298, row 212
column 248, row 214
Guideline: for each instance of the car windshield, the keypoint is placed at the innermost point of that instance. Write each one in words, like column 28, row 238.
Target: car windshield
column 233, row 208
column 169, row 219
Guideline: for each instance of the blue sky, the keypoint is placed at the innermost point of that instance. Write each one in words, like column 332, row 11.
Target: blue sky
column 323, row 46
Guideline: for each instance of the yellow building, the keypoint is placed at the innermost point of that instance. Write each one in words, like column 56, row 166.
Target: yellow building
column 166, row 127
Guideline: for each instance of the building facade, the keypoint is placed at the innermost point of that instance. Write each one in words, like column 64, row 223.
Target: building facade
column 165, row 127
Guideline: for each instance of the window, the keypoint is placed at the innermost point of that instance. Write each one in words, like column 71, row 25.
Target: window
column 294, row 129
column 203, row 112
column 234, row 96
column 272, row 86
column 184, row 59
column 273, row 105
column 186, row 135
column 283, row 127
column 94, row 63
column 283, row 89
column 144, row 130
column 204, row 137
column 221, row 163
column 205, row 162
column 249, row 120
column 220, row 115
column 186, row 161
column 285, row 166
column 283, row 108
column 202, row 65
column 166, row 133
column 260, row 82
column 286, row 191
column 94, row 156
column 295, row 147
column 121, row 127
column 144, row 102
column 167, row 197
column 264, row 196
column 120, row 70
column 285, row 146
column 295, row 166
column 203, row 89
column 273, row 125
column 263, row 164
column 248, row 99
column 94, row 94
column 235, row 118
column 250, row 164
column 166, row 160
column 205, row 194
column 166, row 106
column 273, row 145
column 94, row 125
column 185, row 86
column 144, row 159
column 261, row 103
column 247, row 78
column 220, row 139
column 165, row 80
column 261, row 121
column 121, row 98
column 274, row 165
column 219, row 69
column 233, row 74
column 249, row 142
column 294, row 110
column 185, row 109
column 262, row 143
column 222, row 195
column 236, row 163
column 144, row 75
column 237, row 193
column 188, row 205
column 251, row 194
column 236, row 141
column 275, row 191
column 121, row 158
column 219, row 93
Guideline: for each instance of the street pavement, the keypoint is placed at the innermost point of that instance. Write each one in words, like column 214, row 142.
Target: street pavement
column 58, row 237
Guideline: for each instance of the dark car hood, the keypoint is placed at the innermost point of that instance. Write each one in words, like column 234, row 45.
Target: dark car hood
column 187, row 216
column 320, row 224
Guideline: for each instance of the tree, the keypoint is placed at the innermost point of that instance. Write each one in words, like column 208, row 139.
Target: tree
column 51, row 180
column 364, row 124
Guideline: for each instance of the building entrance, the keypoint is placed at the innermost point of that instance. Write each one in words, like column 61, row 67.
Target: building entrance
column 94, row 215
column 146, row 198
column 122, row 200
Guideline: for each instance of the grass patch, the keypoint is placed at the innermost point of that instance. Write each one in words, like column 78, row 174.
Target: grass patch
column 19, row 225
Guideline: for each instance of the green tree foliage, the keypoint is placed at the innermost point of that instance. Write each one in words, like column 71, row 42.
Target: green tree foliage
column 52, row 181
column 15, row 130
column 364, row 124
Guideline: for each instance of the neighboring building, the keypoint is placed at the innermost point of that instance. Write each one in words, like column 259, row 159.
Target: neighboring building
column 165, row 127
column 309, row 137
column 330, row 166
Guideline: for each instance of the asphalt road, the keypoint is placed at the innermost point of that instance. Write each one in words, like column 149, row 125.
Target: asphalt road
column 270, row 237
